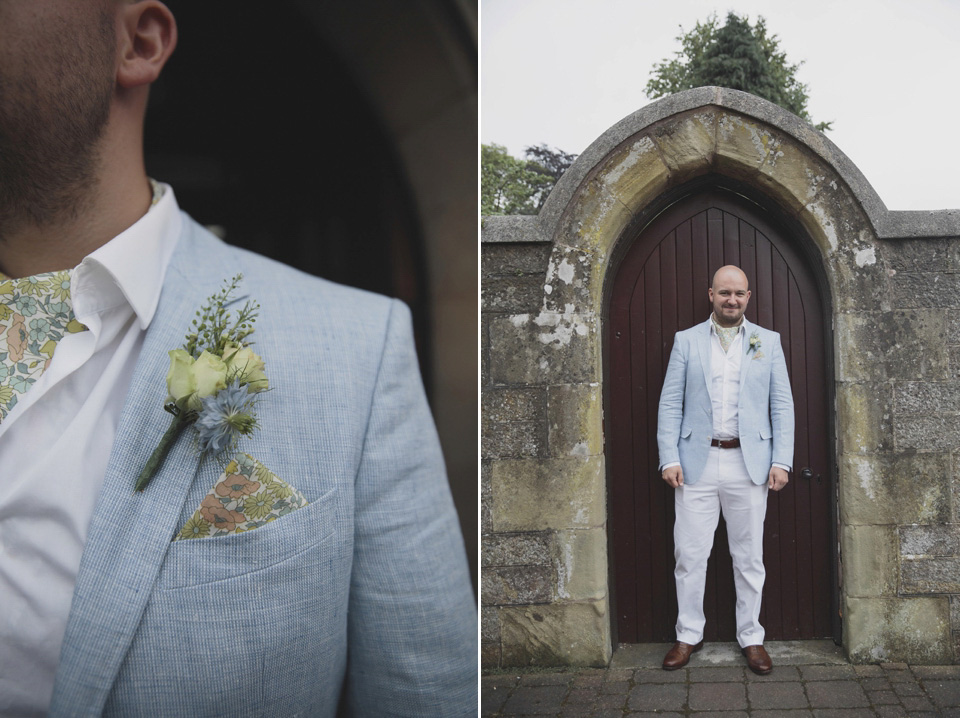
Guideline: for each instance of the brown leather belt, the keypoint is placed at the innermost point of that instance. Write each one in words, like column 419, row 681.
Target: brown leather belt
column 726, row 443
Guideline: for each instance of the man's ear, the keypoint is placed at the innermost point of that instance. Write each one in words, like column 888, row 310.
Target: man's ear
column 147, row 35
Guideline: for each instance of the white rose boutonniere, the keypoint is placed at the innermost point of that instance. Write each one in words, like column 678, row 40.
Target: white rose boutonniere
column 212, row 381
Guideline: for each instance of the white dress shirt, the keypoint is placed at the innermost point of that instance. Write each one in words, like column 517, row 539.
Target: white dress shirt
column 725, row 384
column 55, row 445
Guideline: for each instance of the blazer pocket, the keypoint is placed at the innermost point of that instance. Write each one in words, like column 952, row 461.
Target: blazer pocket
column 766, row 434
column 205, row 561
column 234, row 621
column 685, row 432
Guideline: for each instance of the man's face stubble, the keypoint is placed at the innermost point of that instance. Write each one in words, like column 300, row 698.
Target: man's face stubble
column 57, row 70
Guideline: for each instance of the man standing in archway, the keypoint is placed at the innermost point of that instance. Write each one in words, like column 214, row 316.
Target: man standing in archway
column 725, row 434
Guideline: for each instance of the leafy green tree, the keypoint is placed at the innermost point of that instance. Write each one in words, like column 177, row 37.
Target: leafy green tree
column 509, row 185
column 736, row 55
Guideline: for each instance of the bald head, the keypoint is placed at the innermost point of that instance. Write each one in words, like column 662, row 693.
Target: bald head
column 729, row 294
column 730, row 272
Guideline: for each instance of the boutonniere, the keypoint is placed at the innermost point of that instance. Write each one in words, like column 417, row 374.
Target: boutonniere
column 754, row 343
column 213, row 381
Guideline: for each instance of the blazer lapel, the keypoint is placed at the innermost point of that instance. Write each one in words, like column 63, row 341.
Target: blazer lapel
column 130, row 533
column 703, row 346
column 745, row 358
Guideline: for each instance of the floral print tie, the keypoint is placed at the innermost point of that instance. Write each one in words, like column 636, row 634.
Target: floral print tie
column 35, row 314
column 726, row 334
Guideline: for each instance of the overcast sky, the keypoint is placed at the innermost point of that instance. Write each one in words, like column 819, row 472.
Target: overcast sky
column 885, row 71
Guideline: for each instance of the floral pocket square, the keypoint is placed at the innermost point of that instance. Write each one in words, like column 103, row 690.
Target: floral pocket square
column 758, row 355
column 246, row 496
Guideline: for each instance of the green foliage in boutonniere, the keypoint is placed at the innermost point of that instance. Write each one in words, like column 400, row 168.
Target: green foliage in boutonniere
column 213, row 381
column 754, row 343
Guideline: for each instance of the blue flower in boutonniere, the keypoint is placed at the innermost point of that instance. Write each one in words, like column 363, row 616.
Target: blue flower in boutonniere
column 754, row 343
column 213, row 381
column 224, row 417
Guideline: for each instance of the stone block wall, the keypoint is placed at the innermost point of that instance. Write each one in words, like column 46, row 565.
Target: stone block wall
column 541, row 511
column 898, row 398
column 925, row 379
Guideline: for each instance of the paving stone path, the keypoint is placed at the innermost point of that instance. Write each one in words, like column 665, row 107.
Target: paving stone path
column 835, row 691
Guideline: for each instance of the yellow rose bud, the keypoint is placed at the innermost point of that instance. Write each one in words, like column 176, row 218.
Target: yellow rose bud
column 246, row 367
column 181, row 382
column 229, row 349
column 257, row 382
column 210, row 374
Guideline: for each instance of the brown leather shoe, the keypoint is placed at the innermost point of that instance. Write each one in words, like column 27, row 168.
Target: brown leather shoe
column 678, row 656
column 757, row 660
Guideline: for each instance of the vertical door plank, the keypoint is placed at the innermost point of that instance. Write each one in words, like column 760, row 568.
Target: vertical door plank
column 748, row 263
column 643, row 536
column 686, row 288
column 714, row 240
column 801, row 488
column 620, row 432
column 786, row 501
column 661, row 524
column 700, row 259
column 731, row 239
column 818, row 460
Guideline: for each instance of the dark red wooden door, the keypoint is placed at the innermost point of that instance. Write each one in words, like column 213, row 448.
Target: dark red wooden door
column 660, row 288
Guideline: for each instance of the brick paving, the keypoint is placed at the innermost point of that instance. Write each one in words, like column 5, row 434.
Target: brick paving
column 890, row 690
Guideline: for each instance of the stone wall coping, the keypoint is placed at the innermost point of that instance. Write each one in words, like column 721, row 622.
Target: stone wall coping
column 511, row 228
column 887, row 224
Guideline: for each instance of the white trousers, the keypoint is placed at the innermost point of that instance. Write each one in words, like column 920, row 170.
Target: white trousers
column 725, row 485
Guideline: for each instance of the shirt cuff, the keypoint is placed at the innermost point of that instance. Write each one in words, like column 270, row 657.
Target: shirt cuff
column 782, row 466
column 670, row 465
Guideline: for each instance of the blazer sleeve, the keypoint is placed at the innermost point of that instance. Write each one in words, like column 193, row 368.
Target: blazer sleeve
column 782, row 418
column 670, row 412
column 412, row 621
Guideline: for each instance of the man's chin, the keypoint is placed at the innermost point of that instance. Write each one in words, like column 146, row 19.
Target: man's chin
column 729, row 320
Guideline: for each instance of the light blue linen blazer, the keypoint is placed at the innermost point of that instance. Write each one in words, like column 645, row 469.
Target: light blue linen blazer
column 364, row 593
column 765, row 409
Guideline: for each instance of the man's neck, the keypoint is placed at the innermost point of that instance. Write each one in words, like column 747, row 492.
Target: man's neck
column 717, row 322
column 62, row 244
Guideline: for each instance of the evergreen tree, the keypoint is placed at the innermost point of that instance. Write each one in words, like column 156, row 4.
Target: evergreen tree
column 738, row 56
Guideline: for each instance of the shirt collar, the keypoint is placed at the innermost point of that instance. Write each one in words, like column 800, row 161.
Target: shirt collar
column 130, row 267
column 740, row 328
